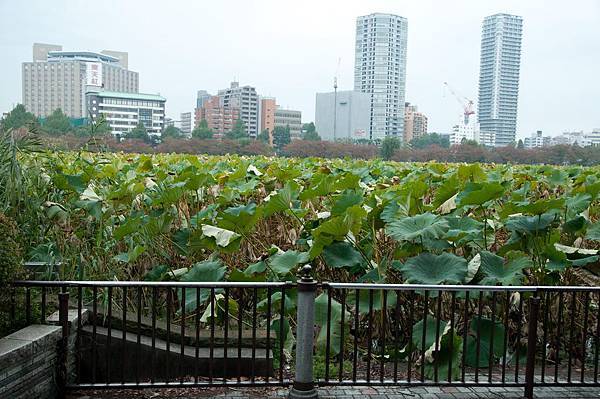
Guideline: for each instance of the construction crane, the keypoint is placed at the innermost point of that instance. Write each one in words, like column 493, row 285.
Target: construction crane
column 466, row 103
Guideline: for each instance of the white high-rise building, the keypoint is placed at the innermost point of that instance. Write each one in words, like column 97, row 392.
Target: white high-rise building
column 343, row 115
column 380, row 71
column 499, row 76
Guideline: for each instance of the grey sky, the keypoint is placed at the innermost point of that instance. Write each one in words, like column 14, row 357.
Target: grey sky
column 290, row 50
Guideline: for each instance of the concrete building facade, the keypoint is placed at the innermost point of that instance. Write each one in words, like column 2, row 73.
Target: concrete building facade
column 60, row 79
column 186, row 123
column 415, row 123
column 245, row 99
column 536, row 140
column 380, row 71
column 289, row 118
column 267, row 114
column 499, row 76
column 343, row 116
column 220, row 119
column 123, row 111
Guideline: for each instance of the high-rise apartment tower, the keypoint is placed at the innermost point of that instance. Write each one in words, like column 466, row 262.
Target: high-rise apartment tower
column 380, row 71
column 499, row 76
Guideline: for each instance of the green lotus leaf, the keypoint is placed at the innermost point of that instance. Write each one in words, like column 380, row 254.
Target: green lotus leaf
column 479, row 193
column 342, row 254
column 283, row 263
column 426, row 225
column 428, row 268
column 495, row 272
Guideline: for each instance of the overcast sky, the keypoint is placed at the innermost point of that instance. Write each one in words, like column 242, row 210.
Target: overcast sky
column 290, row 50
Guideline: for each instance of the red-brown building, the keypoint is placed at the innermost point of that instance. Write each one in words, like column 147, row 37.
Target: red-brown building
column 220, row 119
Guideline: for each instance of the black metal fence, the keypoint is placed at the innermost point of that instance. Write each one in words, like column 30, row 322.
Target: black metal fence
column 149, row 334
column 155, row 334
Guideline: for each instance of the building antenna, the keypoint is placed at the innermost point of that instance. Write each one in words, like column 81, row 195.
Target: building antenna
column 335, row 85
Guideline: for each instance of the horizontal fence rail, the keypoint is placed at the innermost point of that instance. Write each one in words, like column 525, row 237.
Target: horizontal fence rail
column 159, row 334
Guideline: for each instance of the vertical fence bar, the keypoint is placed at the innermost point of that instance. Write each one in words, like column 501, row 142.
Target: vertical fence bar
column 356, row 330
column 597, row 342
column 13, row 305
column 342, row 336
column 153, row 355
column 424, row 337
column 282, row 316
column 168, row 345
column 197, row 343
column 63, row 317
column 254, row 301
column 182, row 336
column 534, row 306
column 397, row 335
column 304, row 386
column 109, row 335
column 370, row 336
column 239, row 342
column 79, row 324
column 478, row 342
column 94, row 322
column 465, row 330
column 545, row 338
column 382, row 337
column 586, row 305
column 505, row 343
column 212, row 336
column 123, row 334
column 518, row 342
column 138, row 343
column 411, row 316
column 558, row 335
column 451, row 354
column 491, row 351
column 328, row 335
column 226, row 334
column 438, row 316
column 571, row 328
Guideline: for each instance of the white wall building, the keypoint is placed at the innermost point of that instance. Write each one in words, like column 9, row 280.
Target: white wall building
column 380, row 71
column 537, row 140
column 186, row 123
column 348, row 119
column 123, row 111
column 578, row 138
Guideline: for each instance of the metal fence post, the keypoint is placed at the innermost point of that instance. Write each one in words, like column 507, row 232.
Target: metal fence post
column 534, row 307
column 63, row 347
column 304, row 385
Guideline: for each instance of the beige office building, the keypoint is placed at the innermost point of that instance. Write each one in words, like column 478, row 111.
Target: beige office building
column 291, row 118
column 60, row 79
column 415, row 123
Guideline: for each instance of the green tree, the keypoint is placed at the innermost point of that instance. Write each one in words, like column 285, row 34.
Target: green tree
column 139, row 132
column 57, row 123
column 202, row 131
column 426, row 140
column 310, row 132
column 238, row 131
column 520, row 144
column 388, row 146
column 281, row 137
column 172, row 131
column 264, row 136
column 17, row 118
column 470, row 142
column 94, row 127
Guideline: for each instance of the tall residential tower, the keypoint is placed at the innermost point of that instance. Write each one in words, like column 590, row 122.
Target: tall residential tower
column 499, row 76
column 380, row 71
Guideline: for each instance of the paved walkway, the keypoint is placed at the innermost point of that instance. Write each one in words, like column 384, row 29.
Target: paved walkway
column 347, row 393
